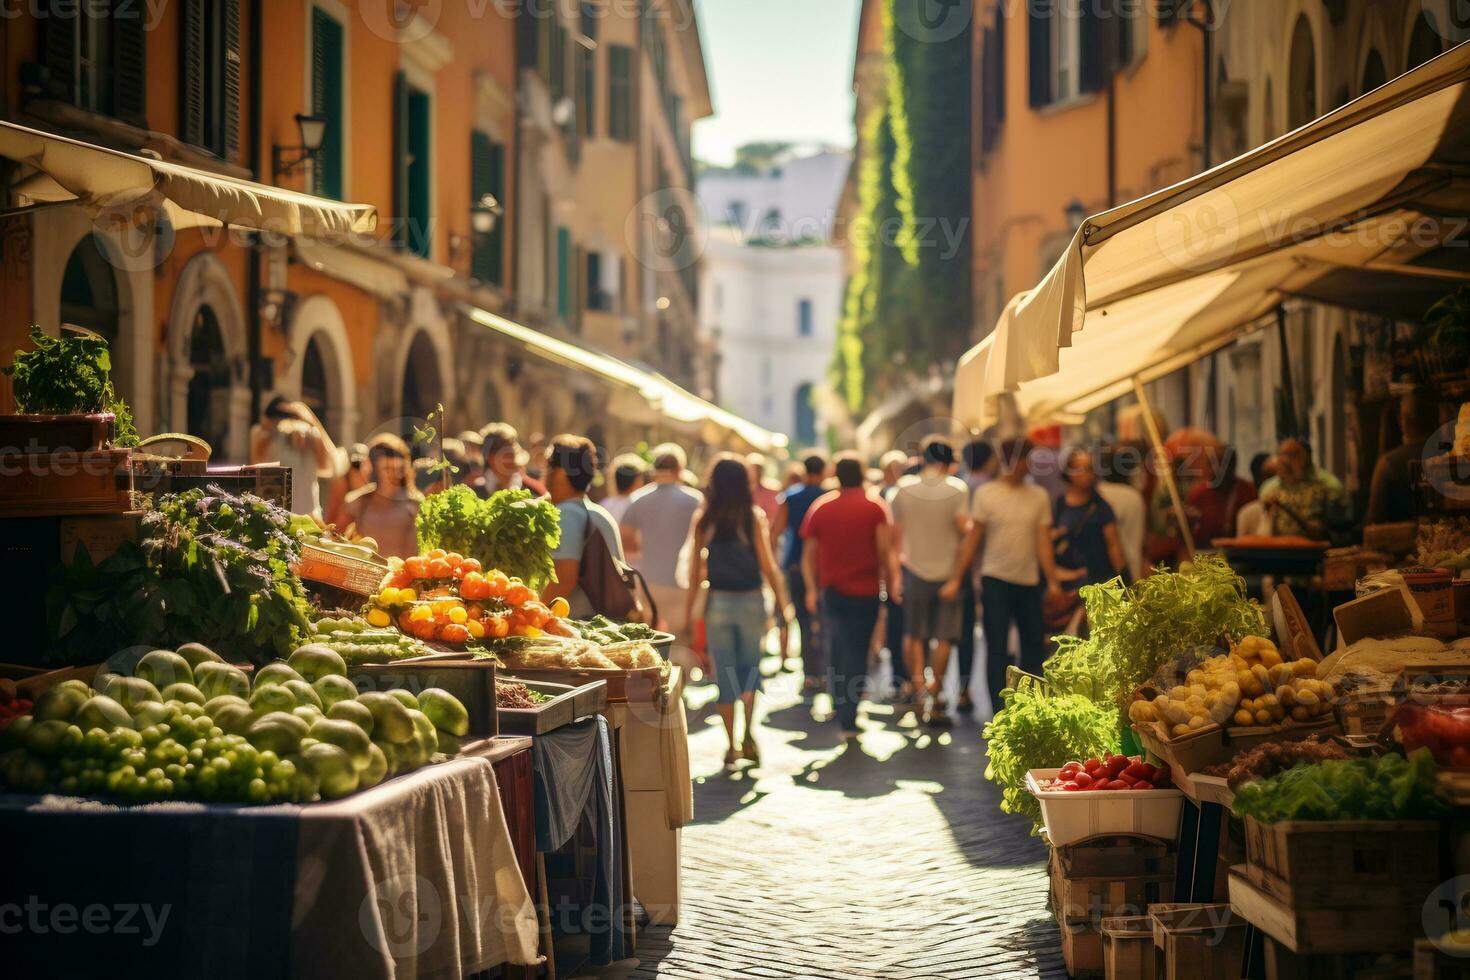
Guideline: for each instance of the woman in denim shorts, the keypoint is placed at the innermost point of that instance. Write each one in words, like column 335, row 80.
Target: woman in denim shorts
column 731, row 550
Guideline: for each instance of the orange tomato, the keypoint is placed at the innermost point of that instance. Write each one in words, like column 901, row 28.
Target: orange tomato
column 405, row 621
column 518, row 594
column 441, row 607
column 439, row 568
column 474, row 586
column 535, row 613
column 424, row 629
column 557, row 627
column 470, row 565
column 435, row 553
column 454, row 633
column 497, row 626
column 454, row 558
column 399, row 579
column 497, row 582
column 475, row 611
column 560, row 607
column 417, row 567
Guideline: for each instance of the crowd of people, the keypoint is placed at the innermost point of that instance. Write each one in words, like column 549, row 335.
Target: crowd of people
column 854, row 565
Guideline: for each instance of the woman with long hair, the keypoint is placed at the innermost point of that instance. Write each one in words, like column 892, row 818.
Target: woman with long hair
column 387, row 509
column 730, row 548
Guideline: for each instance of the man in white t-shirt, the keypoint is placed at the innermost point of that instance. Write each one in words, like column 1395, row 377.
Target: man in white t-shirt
column 1012, row 535
column 929, row 524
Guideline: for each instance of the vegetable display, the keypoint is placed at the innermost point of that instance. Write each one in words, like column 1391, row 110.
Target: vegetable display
column 12, row 706
column 513, row 531
column 446, row 597
column 1389, row 787
column 605, row 632
column 1269, row 758
column 358, row 643
column 1441, row 729
column 517, row 696
column 1117, row 772
column 67, row 375
column 1034, row 731
column 209, row 566
column 187, row 725
column 1137, row 629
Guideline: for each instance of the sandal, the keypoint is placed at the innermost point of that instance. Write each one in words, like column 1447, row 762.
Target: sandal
column 751, row 751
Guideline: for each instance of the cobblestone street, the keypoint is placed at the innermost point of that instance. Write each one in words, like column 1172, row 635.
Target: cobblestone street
column 888, row 860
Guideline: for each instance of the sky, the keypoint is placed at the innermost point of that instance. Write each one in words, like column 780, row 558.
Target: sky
column 779, row 70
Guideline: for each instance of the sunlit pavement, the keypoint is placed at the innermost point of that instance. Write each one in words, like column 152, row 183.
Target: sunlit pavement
column 883, row 858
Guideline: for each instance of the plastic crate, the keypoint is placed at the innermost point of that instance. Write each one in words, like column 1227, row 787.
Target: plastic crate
column 1075, row 816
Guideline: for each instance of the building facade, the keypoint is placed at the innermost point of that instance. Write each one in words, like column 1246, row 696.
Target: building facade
column 504, row 147
column 771, row 290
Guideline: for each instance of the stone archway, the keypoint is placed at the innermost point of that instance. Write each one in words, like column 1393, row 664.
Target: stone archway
column 205, row 304
column 318, row 322
column 427, row 337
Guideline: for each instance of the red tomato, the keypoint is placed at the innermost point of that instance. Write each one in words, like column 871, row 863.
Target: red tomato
column 1082, row 779
column 1070, row 788
column 1119, row 759
column 1092, row 765
column 1071, row 767
column 1460, row 757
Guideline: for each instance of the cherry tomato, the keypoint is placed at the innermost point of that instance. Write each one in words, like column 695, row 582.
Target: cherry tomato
column 1082, row 779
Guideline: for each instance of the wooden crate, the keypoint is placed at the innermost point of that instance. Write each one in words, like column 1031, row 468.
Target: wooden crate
column 1282, row 964
column 61, row 484
column 1362, row 930
column 1082, row 949
column 1093, row 899
column 562, row 709
column 1344, row 864
column 359, row 576
column 471, row 681
column 56, row 433
column 1433, row 962
column 1128, row 947
column 1116, row 856
column 1197, row 941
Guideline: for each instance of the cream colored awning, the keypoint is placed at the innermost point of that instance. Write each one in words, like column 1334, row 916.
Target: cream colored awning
column 64, row 169
column 1363, row 208
column 666, row 399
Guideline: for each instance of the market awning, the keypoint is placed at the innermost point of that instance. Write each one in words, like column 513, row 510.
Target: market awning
column 662, row 395
column 63, row 169
column 1364, row 208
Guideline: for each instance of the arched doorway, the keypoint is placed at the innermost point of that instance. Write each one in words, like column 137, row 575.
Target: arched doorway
column 1374, row 71
column 89, row 291
column 1425, row 41
column 207, row 412
column 1301, row 103
column 315, row 390
column 422, row 386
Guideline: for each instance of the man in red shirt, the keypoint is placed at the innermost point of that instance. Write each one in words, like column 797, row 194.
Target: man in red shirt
column 843, row 560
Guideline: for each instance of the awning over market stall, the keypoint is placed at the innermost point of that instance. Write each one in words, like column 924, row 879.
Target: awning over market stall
column 1364, row 208
column 64, row 169
column 668, row 399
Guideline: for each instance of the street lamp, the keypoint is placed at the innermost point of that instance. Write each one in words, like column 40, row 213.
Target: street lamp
column 484, row 214
column 313, row 133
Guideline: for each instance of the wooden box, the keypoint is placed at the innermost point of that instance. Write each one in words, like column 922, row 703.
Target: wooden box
column 1082, row 949
column 548, row 716
column 98, row 481
column 56, row 433
column 1436, row 960
column 1314, row 931
column 1197, row 942
column 1092, row 899
column 639, row 684
column 1128, row 947
column 472, row 681
column 1282, row 964
column 1344, row 864
column 359, row 576
column 1116, row 856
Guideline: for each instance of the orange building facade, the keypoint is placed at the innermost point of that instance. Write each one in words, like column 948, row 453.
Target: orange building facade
column 433, row 114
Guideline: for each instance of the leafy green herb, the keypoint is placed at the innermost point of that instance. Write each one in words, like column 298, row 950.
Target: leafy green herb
column 1389, row 787
column 1447, row 323
column 209, row 567
column 69, row 375
column 513, row 530
column 1139, row 628
column 1034, row 731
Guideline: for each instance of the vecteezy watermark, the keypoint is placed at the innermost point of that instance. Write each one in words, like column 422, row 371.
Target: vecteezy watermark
column 150, row 12
column 1446, row 916
column 666, row 230
column 42, row 918
column 402, row 916
column 932, row 21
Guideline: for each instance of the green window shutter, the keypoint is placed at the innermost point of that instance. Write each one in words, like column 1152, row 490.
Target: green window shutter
column 191, row 72
column 59, row 49
column 620, row 92
column 420, row 172
column 588, row 91
column 230, row 80
column 400, row 159
column 563, row 274
column 326, row 100
column 487, row 176
column 129, row 64
column 557, row 69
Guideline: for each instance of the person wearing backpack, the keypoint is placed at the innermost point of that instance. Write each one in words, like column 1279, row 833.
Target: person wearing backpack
column 583, row 558
column 730, row 548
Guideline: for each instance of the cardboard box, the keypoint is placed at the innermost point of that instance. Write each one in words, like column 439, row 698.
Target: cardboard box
column 654, row 855
column 1381, row 613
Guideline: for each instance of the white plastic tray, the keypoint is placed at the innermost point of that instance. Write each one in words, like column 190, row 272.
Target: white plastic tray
column 1071, row 816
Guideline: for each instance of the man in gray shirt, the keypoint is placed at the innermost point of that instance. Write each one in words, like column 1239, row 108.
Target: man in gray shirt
column 655, row 527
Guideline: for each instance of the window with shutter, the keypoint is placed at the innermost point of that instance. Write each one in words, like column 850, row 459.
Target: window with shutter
column 599, row 297
column 418, row 172
column 209, row 84
column 129, row 44
column 992, row 82
column 1039, row 47
column 487, row 176
column 563, row 274
column 620, row 92
column 59, row 51
column 557, row 68
column 327, row 100
column 587, row 90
